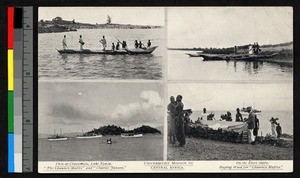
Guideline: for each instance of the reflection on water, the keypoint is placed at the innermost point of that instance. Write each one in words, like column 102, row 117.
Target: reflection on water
column 183, row 67
column 100, row 66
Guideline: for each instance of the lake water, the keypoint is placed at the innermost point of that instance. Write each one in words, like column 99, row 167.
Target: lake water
column 149, row 147
column 183, row 67
column 53, row 65
column 285, row 119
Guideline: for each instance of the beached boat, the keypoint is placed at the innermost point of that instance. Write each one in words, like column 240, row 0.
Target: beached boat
column 88, row 51
column 237, row 57
column 131, row 135
column 88, row 136
column 141, row 50
column 244, row 111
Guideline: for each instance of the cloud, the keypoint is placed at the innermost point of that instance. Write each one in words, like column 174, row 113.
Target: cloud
column 148, row 109
column 71, row 114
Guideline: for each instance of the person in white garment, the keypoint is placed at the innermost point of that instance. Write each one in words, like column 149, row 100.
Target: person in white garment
column 204, row 114
column 64, row 43
column 273, row 127
column 251, row 125
column 81, row 42
column 103, row 42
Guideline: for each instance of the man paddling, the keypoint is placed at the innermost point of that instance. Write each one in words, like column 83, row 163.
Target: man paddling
column 81, row 42
column 64, row 42
column 103, row 42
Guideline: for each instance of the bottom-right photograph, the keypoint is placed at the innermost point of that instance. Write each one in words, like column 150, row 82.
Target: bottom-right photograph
column 230, row 121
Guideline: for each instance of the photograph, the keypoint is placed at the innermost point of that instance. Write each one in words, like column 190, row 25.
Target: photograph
column 100, row 121
column 101, row 43
column 230, row 43
column 225, row 121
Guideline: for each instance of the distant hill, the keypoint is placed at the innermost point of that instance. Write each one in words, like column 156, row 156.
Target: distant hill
column 59, row 25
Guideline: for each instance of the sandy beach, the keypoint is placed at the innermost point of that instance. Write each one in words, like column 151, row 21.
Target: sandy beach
column 204, row 149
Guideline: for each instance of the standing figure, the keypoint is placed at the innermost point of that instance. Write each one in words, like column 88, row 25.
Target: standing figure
column 118, row 46
column 136, row 44
column 238, row 116
column 140, row 44
column 113, row 46
column 171, row 120
column 235, row 49
column 251, row 125
column 64, row 43
column 278, row 130
column 256, row 126
column 124, row 44
column 149, row 44
column 187, row 121
column 81, row 42
column 204, row 114
column 179, row 121
column 104, row 43
column 273, row 127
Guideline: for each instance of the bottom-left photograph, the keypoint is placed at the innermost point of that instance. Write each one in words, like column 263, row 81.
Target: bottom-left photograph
column 100, row 121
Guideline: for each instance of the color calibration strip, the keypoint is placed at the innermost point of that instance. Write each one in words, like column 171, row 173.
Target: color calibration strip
column 20, row 85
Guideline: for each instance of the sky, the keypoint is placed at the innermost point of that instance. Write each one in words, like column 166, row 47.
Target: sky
column 77, row 106
column 227, row 96
column 121, row 15
column 228, row 26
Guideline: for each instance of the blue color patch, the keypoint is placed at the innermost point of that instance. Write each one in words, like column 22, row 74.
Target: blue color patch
column 11, row 162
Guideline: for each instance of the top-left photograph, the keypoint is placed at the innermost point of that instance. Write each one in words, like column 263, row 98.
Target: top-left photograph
column 101, row 43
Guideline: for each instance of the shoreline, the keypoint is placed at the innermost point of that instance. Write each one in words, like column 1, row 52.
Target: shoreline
column 205, row 149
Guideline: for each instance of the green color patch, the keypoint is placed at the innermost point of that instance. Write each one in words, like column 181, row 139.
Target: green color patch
column 10, row 111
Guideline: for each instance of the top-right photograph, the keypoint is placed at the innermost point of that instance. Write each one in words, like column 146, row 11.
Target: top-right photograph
column 235, row 44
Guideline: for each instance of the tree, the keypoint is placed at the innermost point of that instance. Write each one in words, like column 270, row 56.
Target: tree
column 108, row 19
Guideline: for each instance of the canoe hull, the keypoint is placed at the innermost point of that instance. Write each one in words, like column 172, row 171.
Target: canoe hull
column 89, row 137
column 57, row 139
column 141, row 51
column 131, row 136
column 247, row 57
column 86, row 51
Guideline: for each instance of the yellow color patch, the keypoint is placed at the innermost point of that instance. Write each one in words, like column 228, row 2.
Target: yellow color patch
column 10, row 65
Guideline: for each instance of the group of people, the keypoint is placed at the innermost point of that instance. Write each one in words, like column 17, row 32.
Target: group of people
column 275, row 128
column 103, row 42
column 176, row 120
column 141, row 45
column 254, row 49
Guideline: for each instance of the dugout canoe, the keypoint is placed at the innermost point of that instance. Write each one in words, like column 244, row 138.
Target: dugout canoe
column 236, row 57
column 88, row 51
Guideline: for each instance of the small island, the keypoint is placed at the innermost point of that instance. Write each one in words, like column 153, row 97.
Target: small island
column 59, row 25
column 117, row 130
